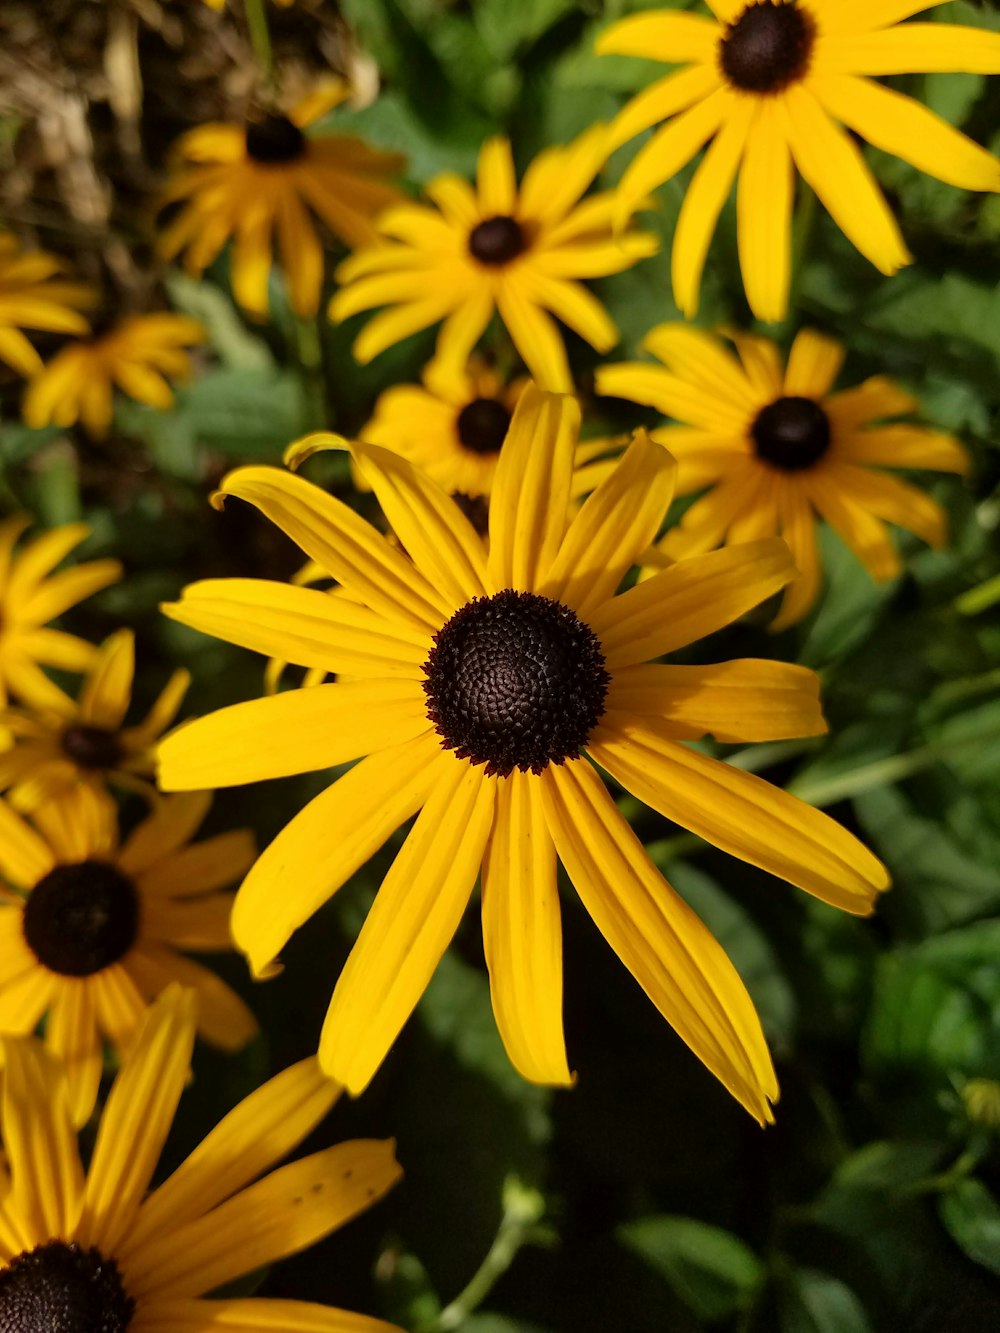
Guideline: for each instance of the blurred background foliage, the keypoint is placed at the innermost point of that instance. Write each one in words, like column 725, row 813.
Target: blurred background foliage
column 644, row 1198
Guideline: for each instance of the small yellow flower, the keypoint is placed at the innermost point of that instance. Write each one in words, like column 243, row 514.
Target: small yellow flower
column 139, row 355
column 34, row 296
column 520, row 251
column 98, row 1251
column 778, row 448
column 61, row 743
column 31, row 596
column 779, row 85
column 90, row 929
column 261, row 184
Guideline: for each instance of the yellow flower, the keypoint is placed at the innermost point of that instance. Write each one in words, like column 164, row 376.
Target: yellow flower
column 777, row 84
column 98, row 1252
column 477, row 677
column 778, row 448
column 60, row 744
column 33, row 296
column 29, row 599
column 91, row 933
column 518, row 251
column 262, row 182
column 139, row 355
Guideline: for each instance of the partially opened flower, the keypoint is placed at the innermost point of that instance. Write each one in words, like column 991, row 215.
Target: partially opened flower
column 61, row 743
column 31, row 596
column 81, row 1253
column 140, row 355
column 520, row 251
column 90, row 930
column 264, row 184
column 781, row 84
column 478, row 679
column 779, row 449
column 35, row 295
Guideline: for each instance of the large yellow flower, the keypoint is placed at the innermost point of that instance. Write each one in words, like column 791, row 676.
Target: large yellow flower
column 30, row 598
column 265, row 181
column 99, row 1253
column 139, row 355
column 777, row 83
column 33, row 295
column 477, row 679
column 777, row 448
column 90, row 930
column 498, row 247
column 62, row 743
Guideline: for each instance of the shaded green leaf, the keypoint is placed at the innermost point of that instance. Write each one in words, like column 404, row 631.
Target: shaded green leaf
column 712, row 1271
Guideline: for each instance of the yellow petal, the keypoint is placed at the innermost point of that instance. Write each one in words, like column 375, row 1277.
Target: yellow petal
column 663, row 99
column 263, row 1314
column 108, row 690
column 698, row 356
column 535, row 335
column 798, row 529
column 857, row 528
column 813, row 364
column 660, row 36
column 224, row 1020
column 495, row 178
column 916, row 48
column 169, row 826
column 72, row 1037
column 764, row 215
column 894, row 501
column 904, row 446
column 24, row 856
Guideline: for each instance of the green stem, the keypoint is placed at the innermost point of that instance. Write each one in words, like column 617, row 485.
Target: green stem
column 260, row 38
column 980, row 598
column 963, row 1166
column 310, row 354
column 805, row 219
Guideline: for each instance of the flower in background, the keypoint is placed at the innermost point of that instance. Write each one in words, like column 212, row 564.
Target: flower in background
column 90, row 930
column 99, row 1252
column 31, row 596
column 777, row 83
column 477, row 677
column 33, row 295
column 261, row 184
column 140, row 355
column 777, row 449
column 60, row 744
column 519, row 251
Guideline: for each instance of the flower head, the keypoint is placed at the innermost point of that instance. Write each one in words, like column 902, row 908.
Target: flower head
column 777, row 83
column 34, row 295
column 519, row 251
column 263, row 184
column 777, row 448
column 482, row 683
column 90, row 929
column 139, row 355
column 98, row 1252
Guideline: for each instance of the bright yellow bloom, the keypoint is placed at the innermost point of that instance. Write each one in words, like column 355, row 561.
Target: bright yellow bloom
column 33, row 296
column 91, row 932
column 777, row 84
column 29, row 599
column 62, row 743
column 139, row 355
column 477, row 676
column 261, row 184
column 98, row 1252
column 498, row 247
column 778, row 448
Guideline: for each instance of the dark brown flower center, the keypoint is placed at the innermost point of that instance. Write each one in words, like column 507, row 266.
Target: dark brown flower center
column 63, row 1288
column 496, row 241
column 767, row 47
column 274, row 139
column 791, row 433
column 81, row 918
column 515, row 681
column 482, row 425
column 476, row 509
column 92, row 747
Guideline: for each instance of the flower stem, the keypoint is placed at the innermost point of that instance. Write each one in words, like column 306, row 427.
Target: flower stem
column 260, row 38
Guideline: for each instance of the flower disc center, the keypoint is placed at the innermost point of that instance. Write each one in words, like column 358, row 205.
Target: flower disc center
column 274, row 139
column 496, row 241
column 91, row 747
column 482, row 425
column 515, row 681
column 63, row 1288
column 81, row 918
column 791, row 433
column 767, row 47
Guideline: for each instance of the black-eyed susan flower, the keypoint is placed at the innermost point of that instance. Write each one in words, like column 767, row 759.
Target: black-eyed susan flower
column 140, row 355
column 518, row 251
column 483, row 682
column 34, row 294
column 95, row 1251
column 31, row 596
column 777, row 84
column 64, row 742
column 778, row 448
column 264, row 184
column 90, row 930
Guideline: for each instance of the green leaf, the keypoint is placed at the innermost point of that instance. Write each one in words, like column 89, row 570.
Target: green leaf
column 505, row 26
column 247, row 414
column 972, row 1218
column 712, row 1271
column 814, row 1302
column 238, row 348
